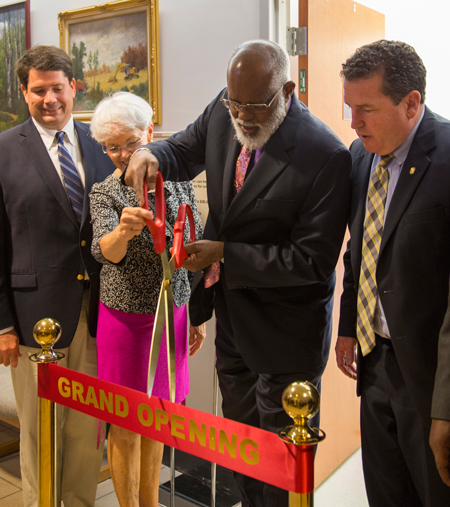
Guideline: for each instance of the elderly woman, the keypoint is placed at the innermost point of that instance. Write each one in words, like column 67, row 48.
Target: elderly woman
column 130, row 282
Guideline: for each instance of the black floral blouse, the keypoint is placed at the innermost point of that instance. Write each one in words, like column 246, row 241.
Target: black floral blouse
column 134, row 283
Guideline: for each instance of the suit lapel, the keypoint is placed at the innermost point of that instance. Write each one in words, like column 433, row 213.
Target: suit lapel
column 88, row 158
column 271, row 163
column 37, row 152
column 363, row 165
column 268, row 167
column 229, row 172
column 424, row 141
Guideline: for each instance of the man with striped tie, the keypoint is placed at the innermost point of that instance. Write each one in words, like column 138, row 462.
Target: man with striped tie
column 47, row 168
column 396, row 280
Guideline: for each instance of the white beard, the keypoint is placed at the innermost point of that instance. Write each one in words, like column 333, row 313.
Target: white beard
column 265, row 130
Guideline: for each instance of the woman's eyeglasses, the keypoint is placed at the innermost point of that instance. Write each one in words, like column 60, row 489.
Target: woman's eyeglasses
column 130, row 146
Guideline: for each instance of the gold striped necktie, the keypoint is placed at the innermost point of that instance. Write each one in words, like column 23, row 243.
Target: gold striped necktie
column 373, row 231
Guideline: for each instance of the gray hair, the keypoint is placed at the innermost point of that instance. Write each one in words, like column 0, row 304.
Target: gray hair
column 276, row 57
column 120, row 112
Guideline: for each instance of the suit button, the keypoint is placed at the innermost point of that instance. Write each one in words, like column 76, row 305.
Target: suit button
column 80, row 277
column 83, row 243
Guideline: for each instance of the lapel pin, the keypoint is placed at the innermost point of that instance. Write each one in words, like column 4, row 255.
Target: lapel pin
column 412, row 170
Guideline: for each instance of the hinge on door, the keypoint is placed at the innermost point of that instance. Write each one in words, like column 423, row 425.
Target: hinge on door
column 296, row 40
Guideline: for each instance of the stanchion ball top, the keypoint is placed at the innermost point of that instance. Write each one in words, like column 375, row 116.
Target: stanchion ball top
column 47, row 332
column 301, row 400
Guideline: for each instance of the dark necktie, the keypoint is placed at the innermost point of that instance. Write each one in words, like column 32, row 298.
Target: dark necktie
column 72, row 180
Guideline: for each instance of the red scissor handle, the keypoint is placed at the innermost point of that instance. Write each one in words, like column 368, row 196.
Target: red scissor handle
column 158, row 226
column 179, row 253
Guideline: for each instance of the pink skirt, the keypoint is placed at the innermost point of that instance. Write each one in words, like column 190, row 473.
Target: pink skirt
column 123, row 351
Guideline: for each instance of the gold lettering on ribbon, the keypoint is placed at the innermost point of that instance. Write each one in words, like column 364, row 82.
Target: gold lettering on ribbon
column 253, row 457
column 77, row 391
column 148, row 419
column 177, row 425
column 224, row 442
column 195, row 432
column 106, row 401
column 161, row 417
column 64, row 387
column 91, row 397
column 121, row 411
column 115, row 403
column 212, row 438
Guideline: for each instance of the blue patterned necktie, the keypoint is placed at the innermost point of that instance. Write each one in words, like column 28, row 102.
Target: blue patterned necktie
column 72, row 179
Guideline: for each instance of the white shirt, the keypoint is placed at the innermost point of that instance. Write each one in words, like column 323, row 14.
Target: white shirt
column 70, row 142
column 73, row 147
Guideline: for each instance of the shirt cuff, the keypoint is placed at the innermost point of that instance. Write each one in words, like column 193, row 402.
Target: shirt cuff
column 6, row 330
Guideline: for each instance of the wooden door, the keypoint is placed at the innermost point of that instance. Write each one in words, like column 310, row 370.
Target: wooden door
column 335, row 29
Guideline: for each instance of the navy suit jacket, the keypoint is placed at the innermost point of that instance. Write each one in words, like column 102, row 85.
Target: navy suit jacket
column 282, row 232
column 414, row 260
column 42, row 249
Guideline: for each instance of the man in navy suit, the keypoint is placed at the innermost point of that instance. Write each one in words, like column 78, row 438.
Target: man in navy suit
column 271, row 240
column 46, row 268
column 396, row 281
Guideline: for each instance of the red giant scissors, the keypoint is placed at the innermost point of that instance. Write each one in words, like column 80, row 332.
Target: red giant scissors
column 164, row 311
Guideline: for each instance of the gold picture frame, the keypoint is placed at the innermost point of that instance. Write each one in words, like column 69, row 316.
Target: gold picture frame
column 14, row 41
column 110, row 45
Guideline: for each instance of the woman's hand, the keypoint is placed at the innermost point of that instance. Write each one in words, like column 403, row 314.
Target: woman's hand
column 132, row 222
column 197, row 335
column 114, row 244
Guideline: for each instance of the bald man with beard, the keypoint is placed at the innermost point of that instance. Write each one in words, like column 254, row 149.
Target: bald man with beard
column 278, row 192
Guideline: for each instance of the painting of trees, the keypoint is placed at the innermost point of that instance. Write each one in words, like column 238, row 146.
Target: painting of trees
column 78, row 53
column 13, row 42
column 113, row 47
column 93, row 64
column 136, row 56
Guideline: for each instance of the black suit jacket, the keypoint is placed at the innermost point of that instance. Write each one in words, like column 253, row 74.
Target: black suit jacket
column 414, row 261
column 282, row 232
column 41, row 250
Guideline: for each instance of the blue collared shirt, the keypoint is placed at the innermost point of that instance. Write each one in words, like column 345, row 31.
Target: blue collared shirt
column 395, row 166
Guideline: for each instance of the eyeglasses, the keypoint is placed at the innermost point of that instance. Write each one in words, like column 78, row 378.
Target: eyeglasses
column 130, row 146
column 251, row 108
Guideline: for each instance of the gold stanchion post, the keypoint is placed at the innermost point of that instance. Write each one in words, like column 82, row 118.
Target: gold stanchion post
column 301, row 401
column 46, row 333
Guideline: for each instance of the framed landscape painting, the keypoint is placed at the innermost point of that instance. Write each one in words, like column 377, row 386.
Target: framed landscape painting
column 113, row 46
column 14, row 40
